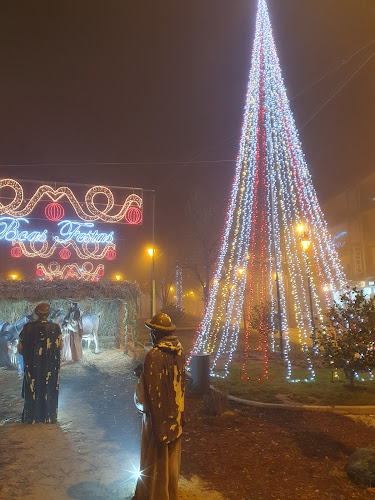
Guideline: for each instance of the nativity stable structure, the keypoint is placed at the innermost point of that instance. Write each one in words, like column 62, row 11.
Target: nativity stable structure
column 114, row 303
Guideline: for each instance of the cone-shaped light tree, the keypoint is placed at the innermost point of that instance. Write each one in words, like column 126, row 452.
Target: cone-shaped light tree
column 277, row 270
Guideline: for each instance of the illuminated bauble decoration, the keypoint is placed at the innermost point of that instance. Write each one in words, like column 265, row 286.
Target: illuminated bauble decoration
column 39, row 272
column 100, row 272
column 110, row 255
column 54, row 212
column 65, row 253
column 70, row 273
column 133, row 215
column 16, row 252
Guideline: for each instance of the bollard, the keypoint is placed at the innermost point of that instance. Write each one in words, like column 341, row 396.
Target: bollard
column 200, row 372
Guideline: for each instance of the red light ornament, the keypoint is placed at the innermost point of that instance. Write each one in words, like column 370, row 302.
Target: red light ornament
column 39, row 272
column 110, row 255
column 65, row 253
column 16, row 252
column 133, row 215
column 54, row 212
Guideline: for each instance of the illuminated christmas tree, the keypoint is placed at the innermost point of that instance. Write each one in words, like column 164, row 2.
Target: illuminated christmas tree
column 277, row 270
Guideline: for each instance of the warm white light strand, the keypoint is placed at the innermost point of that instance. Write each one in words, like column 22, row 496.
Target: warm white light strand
column 271, row 184
column 93, row 213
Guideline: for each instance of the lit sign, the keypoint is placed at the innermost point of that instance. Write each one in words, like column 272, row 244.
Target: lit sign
column 11, row 230
column 45, row 250
column 70, row 230
column 130, row 212
column 340, row 243
column 86, row 272
column 343, row 233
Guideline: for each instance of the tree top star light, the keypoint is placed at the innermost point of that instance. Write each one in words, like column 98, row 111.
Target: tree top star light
column 277, row 270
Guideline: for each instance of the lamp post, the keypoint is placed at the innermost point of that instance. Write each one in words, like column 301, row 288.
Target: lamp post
column 279, row 317
column 279, row 314
column 151, row 252
column 305, row 242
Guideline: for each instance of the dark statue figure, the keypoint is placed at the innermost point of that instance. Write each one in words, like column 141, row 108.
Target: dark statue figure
column 160, row 397
column 40, row 344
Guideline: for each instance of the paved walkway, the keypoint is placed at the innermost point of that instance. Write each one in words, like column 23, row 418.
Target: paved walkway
column 93, row 453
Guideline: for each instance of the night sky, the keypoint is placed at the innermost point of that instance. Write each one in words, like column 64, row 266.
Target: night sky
column 133, row 81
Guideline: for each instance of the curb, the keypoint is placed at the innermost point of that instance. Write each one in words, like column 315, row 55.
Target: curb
column 341, row 410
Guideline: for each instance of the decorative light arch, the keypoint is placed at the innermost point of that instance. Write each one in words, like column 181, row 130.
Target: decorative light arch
column 46, row 251
column 126, row 213
column 86, row 271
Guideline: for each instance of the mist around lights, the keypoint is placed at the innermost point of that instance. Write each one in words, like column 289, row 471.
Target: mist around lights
column 262, row 263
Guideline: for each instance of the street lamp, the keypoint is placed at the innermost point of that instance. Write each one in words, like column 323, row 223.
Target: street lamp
column 151, row 252
column 305, row 242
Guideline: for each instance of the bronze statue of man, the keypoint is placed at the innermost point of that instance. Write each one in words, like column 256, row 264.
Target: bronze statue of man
column 160, row 396
column 40, row 344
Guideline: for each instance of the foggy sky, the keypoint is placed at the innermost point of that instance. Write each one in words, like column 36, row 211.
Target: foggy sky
column 165, row 81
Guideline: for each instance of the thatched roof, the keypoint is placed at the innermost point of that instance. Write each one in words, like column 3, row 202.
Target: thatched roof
column 76, row 290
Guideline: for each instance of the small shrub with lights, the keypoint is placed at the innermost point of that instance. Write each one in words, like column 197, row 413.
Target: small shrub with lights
column 348, row 339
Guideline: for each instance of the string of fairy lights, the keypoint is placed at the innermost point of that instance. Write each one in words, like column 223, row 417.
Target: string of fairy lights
column 47, row 250
column 277, row 264
column 86, row 271
column 65, row 239
column 131, row 210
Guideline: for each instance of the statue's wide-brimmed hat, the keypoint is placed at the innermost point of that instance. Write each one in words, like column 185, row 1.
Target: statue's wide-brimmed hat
column 42, row 310
column 161, row 323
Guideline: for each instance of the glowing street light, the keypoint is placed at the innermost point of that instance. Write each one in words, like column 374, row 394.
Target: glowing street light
column 118, row 277
column 305, row 242
column 14, row 276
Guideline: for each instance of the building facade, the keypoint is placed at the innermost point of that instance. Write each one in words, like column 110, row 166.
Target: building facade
column 351, row 221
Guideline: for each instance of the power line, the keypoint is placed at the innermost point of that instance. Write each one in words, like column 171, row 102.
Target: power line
column 193, row 160
column 336, row 92
column 91, row 164
column 315, row 82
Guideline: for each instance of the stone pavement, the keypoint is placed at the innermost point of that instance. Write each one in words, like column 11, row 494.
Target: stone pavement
column 93, row 452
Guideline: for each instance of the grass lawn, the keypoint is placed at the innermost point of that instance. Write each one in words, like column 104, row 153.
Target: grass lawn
column 324, row 390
